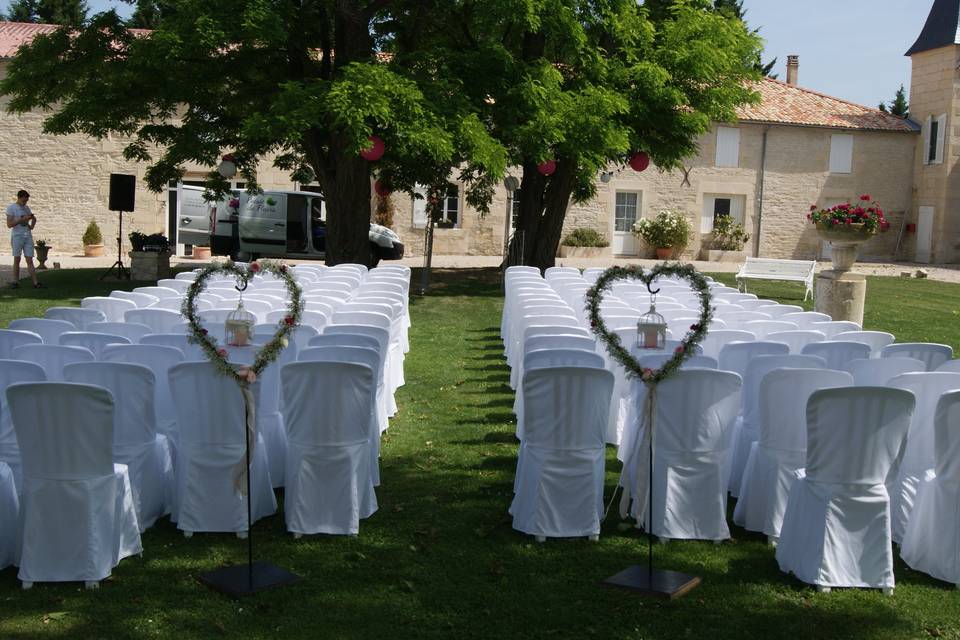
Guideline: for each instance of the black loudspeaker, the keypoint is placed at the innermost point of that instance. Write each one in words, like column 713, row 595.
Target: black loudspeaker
column 122, row 191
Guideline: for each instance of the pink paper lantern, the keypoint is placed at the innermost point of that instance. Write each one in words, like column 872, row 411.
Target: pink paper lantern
column 375, row 152
column 547, row 168
column 382, row 188
column 639, row 161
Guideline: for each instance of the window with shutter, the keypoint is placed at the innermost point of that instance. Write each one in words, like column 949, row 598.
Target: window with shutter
column 715, row 206
column 841, row 153
column 728, row 147
column 925, row 152
column 941, row 130
column 420, row 207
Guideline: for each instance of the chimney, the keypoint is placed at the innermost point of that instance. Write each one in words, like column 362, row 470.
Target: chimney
column 793, row 69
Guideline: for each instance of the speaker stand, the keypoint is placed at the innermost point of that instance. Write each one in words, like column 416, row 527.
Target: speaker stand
column 122, row 272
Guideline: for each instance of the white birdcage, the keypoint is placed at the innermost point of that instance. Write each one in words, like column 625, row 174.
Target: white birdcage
column 238, row 327
column 651, row 330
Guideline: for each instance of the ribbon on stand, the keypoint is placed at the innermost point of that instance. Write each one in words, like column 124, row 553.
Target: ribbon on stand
column 241, row 471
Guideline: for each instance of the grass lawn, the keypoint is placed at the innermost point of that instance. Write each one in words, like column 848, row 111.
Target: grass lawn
column 440, row 557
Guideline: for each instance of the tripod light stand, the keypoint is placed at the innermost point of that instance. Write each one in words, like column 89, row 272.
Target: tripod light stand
column 123, row 189
column 122, row 272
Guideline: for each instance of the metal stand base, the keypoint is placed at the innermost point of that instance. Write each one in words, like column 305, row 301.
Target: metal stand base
column 122, row 272
column 244, row 580
column 655, row 583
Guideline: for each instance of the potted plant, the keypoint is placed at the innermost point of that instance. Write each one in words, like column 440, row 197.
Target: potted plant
column 583, row 242
column 846, row 226
column 727, row 241
column 43, row 250
column 137, row 240
column 92, row 241
column 152, row 260
column 668, row 231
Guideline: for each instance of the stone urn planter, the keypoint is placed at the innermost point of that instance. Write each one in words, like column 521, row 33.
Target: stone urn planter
column 149, row 265
column 43, row 252
column 844, row 242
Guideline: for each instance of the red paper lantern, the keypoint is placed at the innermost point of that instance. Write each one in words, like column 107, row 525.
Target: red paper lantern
column 375, row 152
column 382, row 188
column 547, row 168
column 639, row 161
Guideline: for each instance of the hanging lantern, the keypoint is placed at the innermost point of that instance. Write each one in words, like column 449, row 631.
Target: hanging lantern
column 238, row 326
column 382, row 188
column 228, row 166
column 639, row 161
column 651, row 330
column 547, row 168
column 376, row 151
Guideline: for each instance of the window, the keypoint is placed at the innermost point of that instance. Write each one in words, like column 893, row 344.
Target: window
column 625, row 211
column 513, row 207
column 715, row 206
column 450, row 208
column 934, row 131
column 728, row 147
column 420, row 207
column 841, row 153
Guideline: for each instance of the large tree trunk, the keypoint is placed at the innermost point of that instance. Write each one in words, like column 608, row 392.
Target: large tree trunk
column 556, row 199
column 532, row 187
column 347, row 193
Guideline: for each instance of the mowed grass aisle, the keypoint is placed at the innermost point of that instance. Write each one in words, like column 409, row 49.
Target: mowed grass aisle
column 440, row 559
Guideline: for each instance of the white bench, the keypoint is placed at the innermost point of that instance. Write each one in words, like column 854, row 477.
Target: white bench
column 772, row 269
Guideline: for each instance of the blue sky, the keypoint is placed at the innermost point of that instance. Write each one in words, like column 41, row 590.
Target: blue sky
column 851, row 49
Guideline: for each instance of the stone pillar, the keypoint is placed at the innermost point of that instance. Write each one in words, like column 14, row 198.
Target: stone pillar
column 149, row 265
column 841, row 294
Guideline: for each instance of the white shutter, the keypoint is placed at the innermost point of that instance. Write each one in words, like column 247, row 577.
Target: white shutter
column 728, row 147
column 737, row 206
column 941, row 131
column 841, row 153
column 706, row 219
column 420, row 207
column 925, row 153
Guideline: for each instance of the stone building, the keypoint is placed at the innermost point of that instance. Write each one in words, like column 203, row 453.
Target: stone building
column 795, row 148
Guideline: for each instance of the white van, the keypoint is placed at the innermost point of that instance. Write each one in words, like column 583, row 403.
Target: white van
column 282, row 224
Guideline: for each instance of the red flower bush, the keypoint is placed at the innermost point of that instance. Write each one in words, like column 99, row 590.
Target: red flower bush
column 865, row 214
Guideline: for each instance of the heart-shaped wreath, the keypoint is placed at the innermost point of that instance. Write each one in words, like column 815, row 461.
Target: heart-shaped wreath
column 269, row 351
column 612, row 341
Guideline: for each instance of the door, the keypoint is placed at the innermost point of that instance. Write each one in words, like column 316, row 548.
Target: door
column 297, row 224
column 924, row 234
column 263, row 224
column 193, row 216
column 625, row 213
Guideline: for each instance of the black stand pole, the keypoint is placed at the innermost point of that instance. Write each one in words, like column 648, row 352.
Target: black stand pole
column 650, row 582
column 122, row 272
column 237, row 580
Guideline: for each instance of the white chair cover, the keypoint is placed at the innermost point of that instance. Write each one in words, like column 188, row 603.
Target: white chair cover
column 9, row 516
column 949, row 366
column 535, row 341
column 190, row 276
column 48, row 330
column 735, row 356
column 142, row 300
column 11, row 339
column 933, row 355
column 837, row 353
column 797, row 339
column 877, row 372
column 836, row 528
column 92, row 341
column 112, row 308
column 919, row 458
column 11, row 372
column 136, row 442
column 806, row 319
column 694, row 415
column 781, row 449
column 933, row 533
column 133, row 331
column 832, row 327
column 180, row 341
column 763, row 328
column 560, row 486
column 876, row 339
column 158, row 292
column 780, row 310
column 78, row 317
column 211, row 423
column 159, row 359
column 159, row 320
column 383, row 338
column 657, row 360
column 715, row 340
column 557, row 357
column 269, row 415
column 329, row 487
column 747, row 429
column 77, row 519
column 52, row 357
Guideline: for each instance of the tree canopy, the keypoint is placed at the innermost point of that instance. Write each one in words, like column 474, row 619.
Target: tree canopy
column 63, row 12
column 898, row 106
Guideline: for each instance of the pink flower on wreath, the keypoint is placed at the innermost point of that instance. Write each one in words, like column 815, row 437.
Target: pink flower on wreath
column 222, row 352
column 203, row 332
column 678, row 349
column 283, row 268
column 255, row 267
column 647, row 374
column 288, row 321
column 694, row 327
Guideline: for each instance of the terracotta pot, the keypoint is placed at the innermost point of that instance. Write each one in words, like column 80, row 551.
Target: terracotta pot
column 92, row 250
column 201, row 253
column 664, row 253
